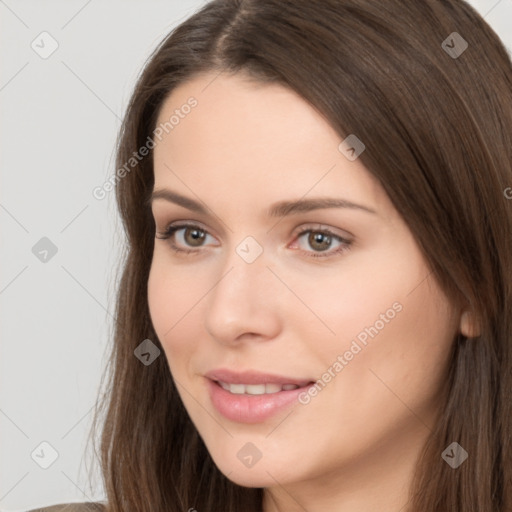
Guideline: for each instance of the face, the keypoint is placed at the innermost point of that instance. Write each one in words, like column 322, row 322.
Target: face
column 336, row 299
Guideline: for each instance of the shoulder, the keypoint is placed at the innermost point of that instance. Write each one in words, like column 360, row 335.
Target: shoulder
column 72, row 507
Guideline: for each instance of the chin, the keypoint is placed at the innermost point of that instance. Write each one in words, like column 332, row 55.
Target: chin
column 263, row 473
column 250, row 477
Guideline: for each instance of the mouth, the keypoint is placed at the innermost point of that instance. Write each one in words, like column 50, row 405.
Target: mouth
column 250, row 378
column 257, row 389
column 252, row 397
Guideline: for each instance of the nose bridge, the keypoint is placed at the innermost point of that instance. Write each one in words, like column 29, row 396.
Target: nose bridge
column 245, row 274
column 243, row 298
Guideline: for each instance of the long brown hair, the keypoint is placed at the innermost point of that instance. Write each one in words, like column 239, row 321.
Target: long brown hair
column 437, row 127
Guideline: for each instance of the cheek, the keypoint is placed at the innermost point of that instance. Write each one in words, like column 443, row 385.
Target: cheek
column 359, row 300
column 171, row 299
column 393, row 333
column 398, row 373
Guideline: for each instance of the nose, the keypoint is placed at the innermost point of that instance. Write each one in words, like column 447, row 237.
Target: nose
column 244, row 304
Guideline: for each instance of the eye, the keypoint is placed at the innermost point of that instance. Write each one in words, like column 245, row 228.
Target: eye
column 193, row 236
column 321, row 239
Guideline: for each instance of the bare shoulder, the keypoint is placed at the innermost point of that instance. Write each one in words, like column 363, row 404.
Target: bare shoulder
column 72, row 507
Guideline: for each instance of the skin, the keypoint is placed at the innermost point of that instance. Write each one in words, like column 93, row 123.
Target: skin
column 354, row 446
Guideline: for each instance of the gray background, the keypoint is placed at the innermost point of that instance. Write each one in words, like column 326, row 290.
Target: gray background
column 60, row 118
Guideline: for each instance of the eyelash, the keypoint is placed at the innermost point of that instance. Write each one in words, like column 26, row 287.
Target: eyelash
column 171, row 230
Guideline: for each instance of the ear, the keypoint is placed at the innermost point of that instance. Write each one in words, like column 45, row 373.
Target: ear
column 469, row 326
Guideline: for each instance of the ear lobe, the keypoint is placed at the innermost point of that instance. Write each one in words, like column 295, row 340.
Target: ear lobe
column 469, row 326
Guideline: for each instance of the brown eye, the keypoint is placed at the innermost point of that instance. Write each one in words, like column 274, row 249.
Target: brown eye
column 194, row 236
column 319, row 240
column 186, row 238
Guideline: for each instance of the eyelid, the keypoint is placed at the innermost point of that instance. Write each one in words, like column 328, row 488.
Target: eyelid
column 346, row 235
column 183, row 223
column 345, row 241
column 318, row 226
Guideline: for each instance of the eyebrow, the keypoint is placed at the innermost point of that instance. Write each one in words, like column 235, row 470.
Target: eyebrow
column 279, row 209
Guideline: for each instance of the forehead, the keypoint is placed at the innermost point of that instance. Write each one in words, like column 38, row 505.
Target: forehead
column 251, row 137
column 236, row 111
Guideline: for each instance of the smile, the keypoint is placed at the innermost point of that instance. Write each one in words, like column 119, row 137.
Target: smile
column 253, row 403
column 256, row 389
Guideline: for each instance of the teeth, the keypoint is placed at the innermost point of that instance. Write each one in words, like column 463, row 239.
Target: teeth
column 287, row 387
column 272, row 388
column 256, row 389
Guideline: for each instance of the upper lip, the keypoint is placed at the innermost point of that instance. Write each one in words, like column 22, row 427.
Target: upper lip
column 253, row 377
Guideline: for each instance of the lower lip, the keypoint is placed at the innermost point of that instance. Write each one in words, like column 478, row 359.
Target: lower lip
column 251, row 408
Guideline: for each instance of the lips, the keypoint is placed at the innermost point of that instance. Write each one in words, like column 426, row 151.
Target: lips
column 250, row 396
column 252, row 377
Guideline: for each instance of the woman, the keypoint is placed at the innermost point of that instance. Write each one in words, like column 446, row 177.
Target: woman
column 315, row 307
